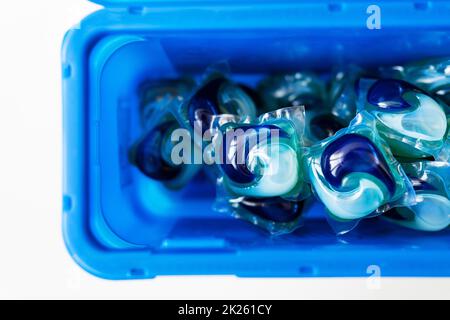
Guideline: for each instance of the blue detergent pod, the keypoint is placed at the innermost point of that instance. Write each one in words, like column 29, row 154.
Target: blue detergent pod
column 413, row 123
column 152, row 153
column 217, row 100
column 431, row 75
column 431, row 212
column 288, row 90
column 157, row 96
column 217, row 96
column 355, row 175
column 302, row 89
column 263, row 159
column 276, row 215
column 261, row 173
column 342, row 95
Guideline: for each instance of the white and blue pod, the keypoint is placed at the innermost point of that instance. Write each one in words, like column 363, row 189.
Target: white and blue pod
column 294, row 89
column 431, row 75
column 152, row 152
column 263, row 159
column 152, row 155
column 302, row 89
column 157, row 97
column 431, row 212
column 413, row 123
column 354, row 174
column 276, row 215
column 216, row 96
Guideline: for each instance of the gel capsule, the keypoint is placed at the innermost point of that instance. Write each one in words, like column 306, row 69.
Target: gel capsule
column 152, row 153
column 287, row 90
column 156, row 97
column 353, row 173
column 263, row 159
column 277, row 215
column 302, row 89
column 432, row 76
column 431, row 212
column 217, row 96
column 413, row 123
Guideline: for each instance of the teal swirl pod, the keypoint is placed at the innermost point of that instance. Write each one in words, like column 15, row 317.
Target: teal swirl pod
column 302, row 89
column 157, row 96
column 413, row 122
column 290, row 90
column 431, row 211
column 276, row 215
column 151, row 153
column 263, row 159
column 216, row 96
column 432, row 75
column 354, row 174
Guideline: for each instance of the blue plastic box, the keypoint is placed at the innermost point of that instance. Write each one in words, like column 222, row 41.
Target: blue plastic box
column 119, row 225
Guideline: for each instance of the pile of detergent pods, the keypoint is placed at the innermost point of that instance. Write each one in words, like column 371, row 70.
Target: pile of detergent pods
column 363, row 143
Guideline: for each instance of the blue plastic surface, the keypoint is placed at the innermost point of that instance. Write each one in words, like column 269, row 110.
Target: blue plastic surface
column 120, row 225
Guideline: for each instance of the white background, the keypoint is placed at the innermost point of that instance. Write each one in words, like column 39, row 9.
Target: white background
column 33, row 260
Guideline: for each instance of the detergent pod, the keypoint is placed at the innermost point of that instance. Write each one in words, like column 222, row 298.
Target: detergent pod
column 157, row 97
column 413, row 123
column 431, row 181
column 262, row 178
column 287, row 90
column 355, row 175
column 263, row 159
column 302, row 89
column 277, row 215
column 342, row 96
column 152, row 153
column 217, row 96
column 431, row 75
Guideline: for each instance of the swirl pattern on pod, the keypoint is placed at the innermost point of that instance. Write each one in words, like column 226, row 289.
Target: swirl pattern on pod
column 353, row 153
column 219, row 96
column 407, row 110
column 205, row 99
column 260, row 161
column 388, row 94
column 237, row 150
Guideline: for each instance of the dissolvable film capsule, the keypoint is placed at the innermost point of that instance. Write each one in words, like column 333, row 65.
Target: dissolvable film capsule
column 263, row 159
column 413, row 123
column 431, row 212
column 262, row 178
column 432, row 75
column 217, row 96
column 355, row 175
column 302, row 89
column 152, row 153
